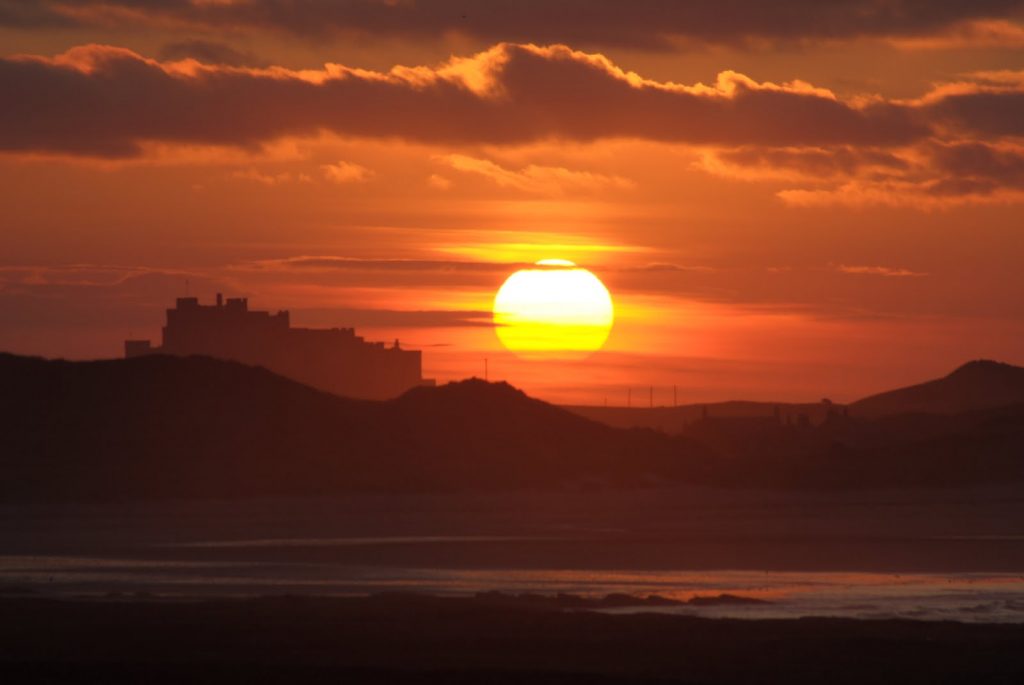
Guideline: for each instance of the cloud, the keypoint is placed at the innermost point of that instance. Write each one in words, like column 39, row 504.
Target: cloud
column 252, row 174
column 89, row 307
column 756, row 163
column 208, row 52
column 354, row 263
column 439, row 182
column 937, row 174
column 78, row 275
column 980, row 33
column 340, row 277
column 930, row 174
column 979, row 110
column 955, row 143
column 644, row 24
column 879, row 271
column 346, row 263
column 19, row 14
column 931, row 195
column 1001, row 165
column 394, row 318
column 345, row 172
column 534, row 178
column 666, row 267
column 997, row 78
column 88, row 310
column 104, row 101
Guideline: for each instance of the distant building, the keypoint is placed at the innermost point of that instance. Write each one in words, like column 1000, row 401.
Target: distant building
column 335, row 360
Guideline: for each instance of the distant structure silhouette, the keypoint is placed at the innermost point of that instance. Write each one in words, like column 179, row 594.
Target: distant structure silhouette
column 336, row 359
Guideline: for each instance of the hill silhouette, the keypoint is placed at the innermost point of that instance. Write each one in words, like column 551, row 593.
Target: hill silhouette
column 977, row 385
column 479, row 428
column 902, row 450
column 199, row 427
column 675, row 419
column 196, row 427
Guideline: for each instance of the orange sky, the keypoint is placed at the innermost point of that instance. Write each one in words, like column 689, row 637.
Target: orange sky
column 812, row 201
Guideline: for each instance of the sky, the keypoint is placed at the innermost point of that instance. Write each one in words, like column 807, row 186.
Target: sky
column 786, row 201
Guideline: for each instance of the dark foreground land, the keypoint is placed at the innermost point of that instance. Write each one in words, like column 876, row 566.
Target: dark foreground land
column 418, row 639
column 165, row 428
column 139, row 496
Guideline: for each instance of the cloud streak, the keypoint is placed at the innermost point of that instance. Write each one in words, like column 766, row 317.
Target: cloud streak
column 756, row 163
column 535, row 178
column 886, row 271
column 645, row 24
column 345, row 172
column 931, row 174
column 208, row 52
column 397, row 318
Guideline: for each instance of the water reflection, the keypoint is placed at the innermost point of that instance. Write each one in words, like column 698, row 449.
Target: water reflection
column 972, row 597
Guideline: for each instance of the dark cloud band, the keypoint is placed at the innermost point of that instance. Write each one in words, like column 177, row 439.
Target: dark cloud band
column 108, row 102
column 651, row 24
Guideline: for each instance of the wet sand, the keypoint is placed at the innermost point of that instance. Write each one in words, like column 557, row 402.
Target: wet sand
column 930, row 531
column 414, row 639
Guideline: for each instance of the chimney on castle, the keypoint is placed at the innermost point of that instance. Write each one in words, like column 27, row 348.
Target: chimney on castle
column 220, row 300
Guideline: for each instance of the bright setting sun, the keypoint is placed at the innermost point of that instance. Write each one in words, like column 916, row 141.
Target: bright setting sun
column 554, row 310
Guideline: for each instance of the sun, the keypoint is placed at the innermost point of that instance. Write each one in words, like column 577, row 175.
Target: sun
column 553, row 310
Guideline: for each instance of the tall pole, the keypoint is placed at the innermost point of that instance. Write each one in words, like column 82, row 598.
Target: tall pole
column 486, row 370
column 652, row 397
column 629, row 397
column 675, row 399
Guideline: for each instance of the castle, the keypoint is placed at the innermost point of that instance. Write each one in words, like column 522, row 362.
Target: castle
column 335, row 360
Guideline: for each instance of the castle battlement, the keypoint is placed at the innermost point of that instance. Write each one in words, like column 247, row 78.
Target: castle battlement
column 332, row 359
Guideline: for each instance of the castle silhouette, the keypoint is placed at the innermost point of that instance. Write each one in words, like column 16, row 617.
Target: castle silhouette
column 335, row 360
